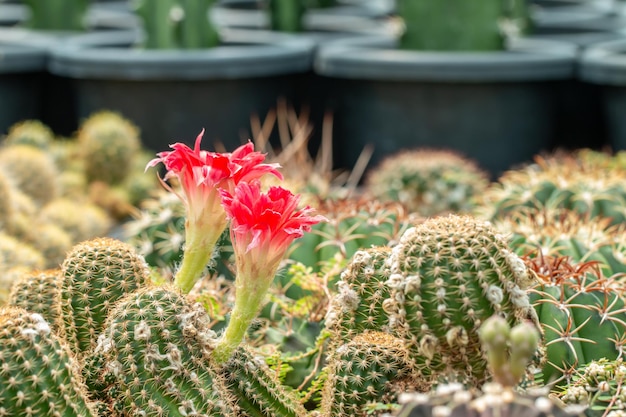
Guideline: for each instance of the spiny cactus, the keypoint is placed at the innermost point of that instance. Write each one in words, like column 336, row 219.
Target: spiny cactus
column 14, row 252
column 65, row 15
column 509, row 351
column 108, row 142
column 95, row 275
column 447, row 276
column 373, row 367
column 31, row 170
column 39, row 375
column 51, row 241
column 567, row 233
column 30, row 132
column 353, row 224
column 38, row 292
column 173, row 24
column 428, row 181
column 600, row 386
column 560, row 181
column 358, row 305
column 582, row 314
column 256, row 390
column 156, row 350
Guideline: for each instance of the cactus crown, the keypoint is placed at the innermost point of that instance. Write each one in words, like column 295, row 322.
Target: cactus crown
column 30, row 132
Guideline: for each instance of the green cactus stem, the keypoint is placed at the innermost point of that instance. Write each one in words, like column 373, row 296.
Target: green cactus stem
column 156, row 348
column 39, row 375
column 64, row 15
column 95, row 275
column 286, row 15
column 39, row 292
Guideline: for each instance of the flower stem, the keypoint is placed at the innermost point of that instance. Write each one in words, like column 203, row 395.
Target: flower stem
column 199, row 247
column 248, row 301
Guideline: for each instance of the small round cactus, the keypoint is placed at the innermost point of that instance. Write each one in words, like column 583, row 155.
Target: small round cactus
column 81, row 220
column 30, row 132
column 108, row 142
column 428, row 181
column 31, row 170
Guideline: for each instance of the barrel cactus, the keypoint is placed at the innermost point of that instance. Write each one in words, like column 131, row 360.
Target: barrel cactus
column 30, row 132
column 582, row 315
column 428, row 181
column 108, row 143
column 39, row 377
column 31, row 170
column 447, row 276
column 570, row 181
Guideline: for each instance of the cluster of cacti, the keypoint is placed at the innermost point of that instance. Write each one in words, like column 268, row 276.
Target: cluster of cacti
column 579, row 182
column 428, row 181
column 600, row 386
column 174, row 24
column 62, row 15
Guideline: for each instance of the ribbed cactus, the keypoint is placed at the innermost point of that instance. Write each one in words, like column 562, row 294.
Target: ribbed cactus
column 287, row 15
column 582, row 314
column 601, row 386
column 39, row 292
column 156, row 350
column 30, row 132
column 451, row 25
column 65, row 15
column 448, row 275
column 31, row 170
column 428, row 181
column 373, row 367
column 39, row 375
column 353, row 224
column 108, row 142
column 172, row 24
column 575, row 182
column 256, row 390
column 95, row 275
column 567, row 233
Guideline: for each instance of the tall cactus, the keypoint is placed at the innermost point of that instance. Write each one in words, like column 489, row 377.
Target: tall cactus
column 95, row 275
column 66, row 15
column 156, row 350
column 172, row 24
column 39, row 375
column 451, row 25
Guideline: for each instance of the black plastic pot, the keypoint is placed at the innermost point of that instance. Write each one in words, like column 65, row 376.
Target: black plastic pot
column 172, row 94
column 21, row 83
column 497, row 107
column 604, row 65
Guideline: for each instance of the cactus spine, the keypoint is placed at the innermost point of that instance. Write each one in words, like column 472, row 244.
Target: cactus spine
column 256, row 390
column 95, row 275
column 39, row 376
column 38, row 292
column 156, row 350
column 447, row 276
